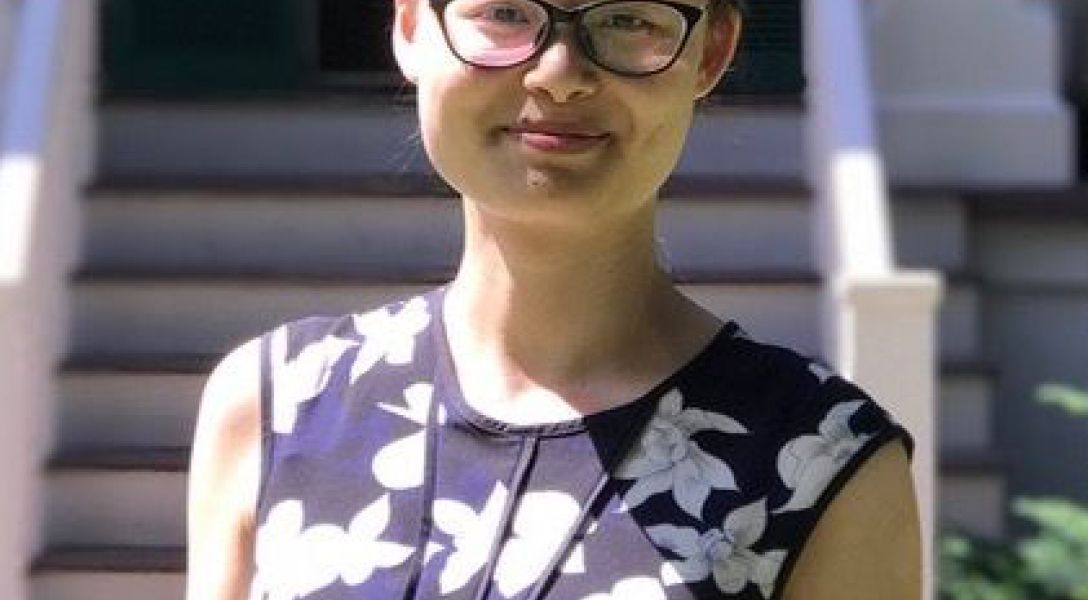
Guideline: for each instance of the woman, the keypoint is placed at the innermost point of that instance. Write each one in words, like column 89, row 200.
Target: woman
column 559, row 421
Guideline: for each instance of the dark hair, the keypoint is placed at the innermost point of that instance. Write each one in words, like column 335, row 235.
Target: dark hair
column 717, row 7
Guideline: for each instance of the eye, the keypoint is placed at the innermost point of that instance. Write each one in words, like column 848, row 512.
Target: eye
column 503, row 13
column 626, row 22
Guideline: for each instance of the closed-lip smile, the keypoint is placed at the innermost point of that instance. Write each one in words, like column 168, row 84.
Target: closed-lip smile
column 557, row 136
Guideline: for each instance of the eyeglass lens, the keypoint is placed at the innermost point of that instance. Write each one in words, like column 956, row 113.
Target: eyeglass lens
column 630, row 36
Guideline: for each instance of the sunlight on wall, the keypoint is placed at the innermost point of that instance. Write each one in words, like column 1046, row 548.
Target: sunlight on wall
column 18, row 182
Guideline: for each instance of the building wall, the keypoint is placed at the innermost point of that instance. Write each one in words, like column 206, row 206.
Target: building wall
column 970, row 92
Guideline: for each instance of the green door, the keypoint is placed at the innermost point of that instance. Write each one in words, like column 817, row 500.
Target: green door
column 769, row 60
column 198, row 46
column 255, row 46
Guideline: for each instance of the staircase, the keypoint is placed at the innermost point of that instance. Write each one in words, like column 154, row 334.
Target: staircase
column 211, row 222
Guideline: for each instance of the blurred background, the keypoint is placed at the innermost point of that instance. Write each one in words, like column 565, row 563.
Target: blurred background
column 896, row 186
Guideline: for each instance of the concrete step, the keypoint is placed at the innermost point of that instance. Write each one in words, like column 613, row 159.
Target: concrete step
column 127, row 315
column 971, row 493
column 117, row 404
column 152, row 400
column 107, row 585
column 413, row 226
column 959, row 335
column 1033, row 238
column 404, row 230
column 108, row 573
column 116, row 496
column 325, row 138
column 965, row 417
column 930, row 230
column 135, row 497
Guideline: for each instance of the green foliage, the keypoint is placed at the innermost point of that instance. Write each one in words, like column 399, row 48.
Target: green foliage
column 1057, row 556
column 1072, row 400
column 1051, row 564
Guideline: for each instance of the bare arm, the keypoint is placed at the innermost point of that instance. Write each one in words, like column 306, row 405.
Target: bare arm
column 224, row 474
column 867, row 544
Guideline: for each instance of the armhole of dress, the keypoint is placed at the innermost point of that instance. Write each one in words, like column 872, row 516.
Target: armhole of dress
column 888, row 434
column 267, row 437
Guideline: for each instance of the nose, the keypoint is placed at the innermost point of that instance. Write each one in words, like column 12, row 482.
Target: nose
column 562, row 72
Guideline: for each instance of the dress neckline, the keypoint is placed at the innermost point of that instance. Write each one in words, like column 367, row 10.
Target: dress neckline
column 451, row 394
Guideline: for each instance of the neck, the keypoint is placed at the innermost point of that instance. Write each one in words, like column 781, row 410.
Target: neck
column 574, row 320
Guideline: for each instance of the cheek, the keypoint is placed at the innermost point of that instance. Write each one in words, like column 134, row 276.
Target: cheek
column 665, row 117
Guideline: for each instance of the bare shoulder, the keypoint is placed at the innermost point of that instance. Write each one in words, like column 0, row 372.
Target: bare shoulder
column 224, row 476
column 867, row 544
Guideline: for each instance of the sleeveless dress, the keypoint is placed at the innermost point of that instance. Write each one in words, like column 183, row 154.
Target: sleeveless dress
column 380, row 482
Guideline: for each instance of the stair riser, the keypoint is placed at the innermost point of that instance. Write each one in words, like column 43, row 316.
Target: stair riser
column 160, row 409
column 115, row 507
column 119, row 409
column 1025, row 252
column 134, row 316
column 959, row 338
column 344, row 142
column 965, row 413
column 108, row 586
column 148, row 508
column 214, row 317
column 228, row 234
column 399, row 237
column 204, row 317
column 973, row 503
column 930, row 232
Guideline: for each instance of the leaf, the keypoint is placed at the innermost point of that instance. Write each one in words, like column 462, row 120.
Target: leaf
column 683, row 541
column 1068, row 398
column 652, row 484
column 747, row 523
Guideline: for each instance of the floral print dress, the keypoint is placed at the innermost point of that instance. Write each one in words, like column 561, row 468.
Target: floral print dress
column 380, row 482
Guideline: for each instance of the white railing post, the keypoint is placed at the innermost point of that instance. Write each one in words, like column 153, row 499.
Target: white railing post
column 879, row 322
column 44, row 146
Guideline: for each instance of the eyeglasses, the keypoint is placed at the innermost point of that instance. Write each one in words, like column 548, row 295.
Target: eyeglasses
column 628, row 37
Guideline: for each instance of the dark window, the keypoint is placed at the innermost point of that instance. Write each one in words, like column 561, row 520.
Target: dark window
column 354, row 35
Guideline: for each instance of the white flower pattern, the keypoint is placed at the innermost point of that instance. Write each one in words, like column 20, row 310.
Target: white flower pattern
column 821, row 372
column 808, row 463
column 293, row 561
column 472, row 534
column 399, row 464
column 390, row 336
column 632, row 588
column 666, row 458
column 302, row 378
column 724, row 554
column 542, row 522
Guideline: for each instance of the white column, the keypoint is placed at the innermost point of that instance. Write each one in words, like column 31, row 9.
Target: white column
column 879, row 324
column 886, row 327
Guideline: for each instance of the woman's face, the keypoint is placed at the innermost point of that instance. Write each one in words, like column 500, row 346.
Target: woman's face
column 556, row 136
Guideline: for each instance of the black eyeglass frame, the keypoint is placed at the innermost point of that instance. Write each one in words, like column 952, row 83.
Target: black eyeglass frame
column 555, row 14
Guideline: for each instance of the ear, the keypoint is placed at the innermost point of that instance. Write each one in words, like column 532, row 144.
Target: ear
column 405, row 49
column 719, row 47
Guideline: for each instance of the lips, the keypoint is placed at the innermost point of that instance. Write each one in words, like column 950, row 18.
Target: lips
column 558, row 136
